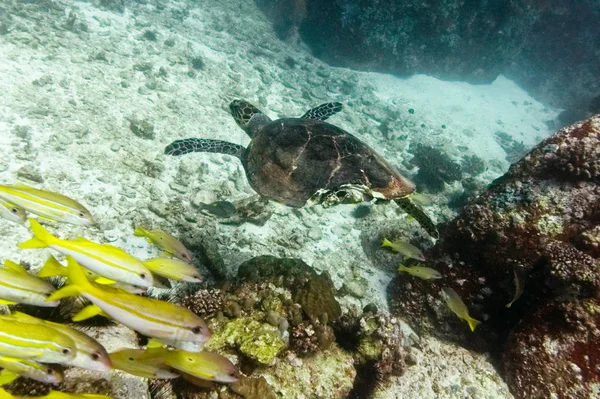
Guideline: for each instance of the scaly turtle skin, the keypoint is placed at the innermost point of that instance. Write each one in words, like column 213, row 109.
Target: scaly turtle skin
column 292, row 160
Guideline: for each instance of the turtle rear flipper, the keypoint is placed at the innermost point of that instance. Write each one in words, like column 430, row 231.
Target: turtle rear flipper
column 323, row 111
column 420, row 216
column 185, row 146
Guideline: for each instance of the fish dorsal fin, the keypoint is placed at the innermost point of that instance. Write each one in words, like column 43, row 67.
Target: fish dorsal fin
column 23, row 316
column 21, row 186
column 14, row 266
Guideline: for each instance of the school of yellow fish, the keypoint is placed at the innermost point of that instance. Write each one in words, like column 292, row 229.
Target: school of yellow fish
column 110, row 279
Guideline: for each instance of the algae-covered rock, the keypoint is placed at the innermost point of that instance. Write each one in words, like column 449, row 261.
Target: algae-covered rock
column 515, row 256
column 314, row 292
column 259, row 341
column 316, row 298
column 327, row 374
column 253, row 388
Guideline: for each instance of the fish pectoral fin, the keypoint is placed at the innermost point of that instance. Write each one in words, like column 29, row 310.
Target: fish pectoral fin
column 7, row 302
column 104, row 281
column 7, row 377
column 88, row 312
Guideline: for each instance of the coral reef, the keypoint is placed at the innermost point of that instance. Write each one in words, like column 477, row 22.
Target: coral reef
column 435, row 168
column 523, row 256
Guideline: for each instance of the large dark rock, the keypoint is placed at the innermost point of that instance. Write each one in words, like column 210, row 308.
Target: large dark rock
column 549, row 47
column 537, row 227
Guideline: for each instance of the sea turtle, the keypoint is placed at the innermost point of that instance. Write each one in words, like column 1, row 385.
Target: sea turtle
column 294, row 160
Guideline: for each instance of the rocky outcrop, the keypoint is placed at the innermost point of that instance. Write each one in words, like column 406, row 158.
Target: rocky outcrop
column 548, row 47
column 525, row 258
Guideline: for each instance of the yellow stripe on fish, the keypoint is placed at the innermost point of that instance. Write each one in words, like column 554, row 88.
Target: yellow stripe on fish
column 53, row 268
column 205, row 365
column 456, row 305
column 89, row 355
column 152, row 317
column 47, row 204
column 104, row 259
column 10, row 211
column 35, row 342
column 174, row 269
column 18, row 286
column 31, row 369
column 166, row 242
column 63, row 395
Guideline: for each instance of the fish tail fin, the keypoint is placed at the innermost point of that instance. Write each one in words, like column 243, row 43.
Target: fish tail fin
column 51, row 268
column 402, row 268
column 79, row 282
column 473, row 323
column 41, row 237
column 14, row 266
column 386, row 243
column 140, row 232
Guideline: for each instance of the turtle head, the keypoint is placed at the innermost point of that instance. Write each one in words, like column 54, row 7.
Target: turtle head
column 248, row 117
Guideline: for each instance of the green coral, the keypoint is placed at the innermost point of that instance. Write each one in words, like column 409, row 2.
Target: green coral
column 259, row 341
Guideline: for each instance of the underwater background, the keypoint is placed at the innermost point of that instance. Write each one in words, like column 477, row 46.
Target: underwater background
column 305, row 301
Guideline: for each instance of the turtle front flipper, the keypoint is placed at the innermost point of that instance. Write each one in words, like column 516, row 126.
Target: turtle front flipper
column 420, row 216
column 185, row 146
column 323, row 111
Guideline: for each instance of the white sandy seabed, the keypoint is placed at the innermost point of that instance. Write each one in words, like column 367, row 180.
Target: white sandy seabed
column 68, row 94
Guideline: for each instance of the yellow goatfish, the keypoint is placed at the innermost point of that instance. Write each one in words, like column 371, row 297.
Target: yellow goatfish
column 152, row 317
column 104, row 259
column 63, row 395
column 12, row 212
column 47, row 204
column 89, row 354
column 53, row 268
column 205, row 365
column 174, row 269
column 15, row 367
column 18, row 286
column 166, row 242
column 127, row 360
column 35, row 342
column 422, row 272
column 459, row 308
column 405, row 248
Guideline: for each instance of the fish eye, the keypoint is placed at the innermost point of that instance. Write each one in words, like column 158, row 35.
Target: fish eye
column 131, row 359
column 143, row 275
column 81, row 214
column 14, row 210
column 49, row 371
column 196, row 330
column 95, row 356
column 66, row 351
